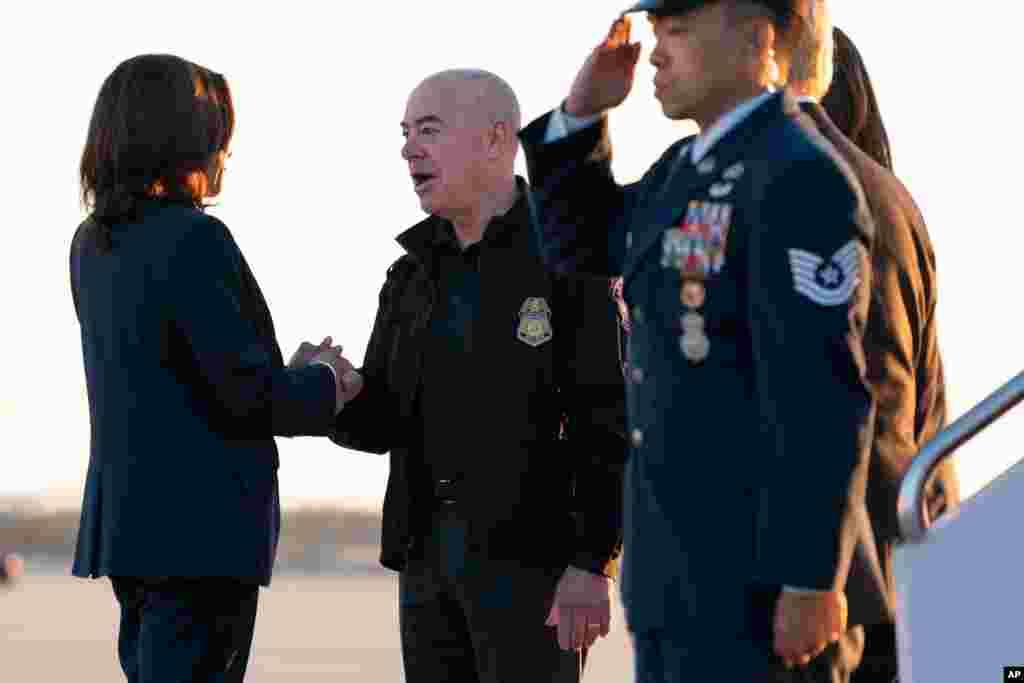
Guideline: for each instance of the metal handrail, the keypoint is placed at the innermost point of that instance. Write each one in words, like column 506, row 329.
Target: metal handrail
column 911, row 508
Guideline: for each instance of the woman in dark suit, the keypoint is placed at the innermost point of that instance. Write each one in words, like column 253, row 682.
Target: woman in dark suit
column 186, row 383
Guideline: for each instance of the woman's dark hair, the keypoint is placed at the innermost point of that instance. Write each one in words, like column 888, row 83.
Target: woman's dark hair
column 157, row 129
column 850, row 102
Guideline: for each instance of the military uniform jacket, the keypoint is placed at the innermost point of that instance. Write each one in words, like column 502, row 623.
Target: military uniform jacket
column 745, row 467
column 544, row 425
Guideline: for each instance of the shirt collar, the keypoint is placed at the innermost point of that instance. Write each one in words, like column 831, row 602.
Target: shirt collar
column 430, row 233
column 513, row 219
column 707, row 139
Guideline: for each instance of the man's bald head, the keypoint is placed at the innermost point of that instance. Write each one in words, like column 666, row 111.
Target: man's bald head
column 811, row 69
column 461, row 128
column 485, row 97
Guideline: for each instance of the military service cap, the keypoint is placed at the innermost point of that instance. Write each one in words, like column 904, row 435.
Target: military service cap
column 783, row 9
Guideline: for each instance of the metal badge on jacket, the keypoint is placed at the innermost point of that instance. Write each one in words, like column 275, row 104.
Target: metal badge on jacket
column 535, row 321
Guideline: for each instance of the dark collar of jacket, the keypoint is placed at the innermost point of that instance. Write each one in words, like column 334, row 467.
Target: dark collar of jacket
column 434, row 233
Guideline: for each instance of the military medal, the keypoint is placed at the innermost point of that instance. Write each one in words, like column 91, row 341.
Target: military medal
column 734, row 172
column 719, row 190
column 696, row 248
column 694, row 343
column 692, row 294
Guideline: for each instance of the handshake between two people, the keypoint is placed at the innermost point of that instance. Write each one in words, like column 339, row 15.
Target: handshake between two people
column 347, row 380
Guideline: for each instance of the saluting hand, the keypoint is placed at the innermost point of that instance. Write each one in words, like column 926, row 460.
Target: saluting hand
column 606, row 77
column 805, row 624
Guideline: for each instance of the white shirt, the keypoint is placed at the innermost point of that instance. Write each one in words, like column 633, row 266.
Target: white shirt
column 720, row 128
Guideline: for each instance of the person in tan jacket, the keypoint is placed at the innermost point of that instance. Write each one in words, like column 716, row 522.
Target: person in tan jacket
column 904, row 365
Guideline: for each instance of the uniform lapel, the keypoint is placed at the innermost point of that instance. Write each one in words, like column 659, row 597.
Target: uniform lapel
column 664, row 205
column 736, row 145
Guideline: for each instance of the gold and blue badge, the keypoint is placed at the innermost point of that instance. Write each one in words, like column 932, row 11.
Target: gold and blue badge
column 535, row 322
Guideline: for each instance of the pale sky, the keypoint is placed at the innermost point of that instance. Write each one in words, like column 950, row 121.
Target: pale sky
column 316, row 189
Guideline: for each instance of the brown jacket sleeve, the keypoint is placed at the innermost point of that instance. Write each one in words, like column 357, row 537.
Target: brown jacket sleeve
column 904, row 365
column 904, row 362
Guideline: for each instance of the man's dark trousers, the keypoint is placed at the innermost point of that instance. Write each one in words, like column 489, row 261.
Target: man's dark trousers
column 178, row 630
column 469, row 618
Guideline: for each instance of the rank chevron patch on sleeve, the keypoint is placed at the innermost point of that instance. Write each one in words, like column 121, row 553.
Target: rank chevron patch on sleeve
column 827, row 283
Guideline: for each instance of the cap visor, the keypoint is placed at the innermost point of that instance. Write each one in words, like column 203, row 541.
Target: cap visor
column 643, row 6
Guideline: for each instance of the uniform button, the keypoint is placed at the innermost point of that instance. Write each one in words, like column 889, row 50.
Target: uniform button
column 638, row 315
column 637, row 438
column 637, row 375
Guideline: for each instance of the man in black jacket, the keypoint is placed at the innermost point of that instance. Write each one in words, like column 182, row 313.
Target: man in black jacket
column 497, row 388
column 904, row 366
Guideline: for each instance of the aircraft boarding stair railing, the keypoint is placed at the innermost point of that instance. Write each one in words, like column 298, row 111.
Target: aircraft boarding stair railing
column 960, row 581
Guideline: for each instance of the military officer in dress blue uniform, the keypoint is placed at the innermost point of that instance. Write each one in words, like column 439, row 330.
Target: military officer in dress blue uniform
column 743, row 256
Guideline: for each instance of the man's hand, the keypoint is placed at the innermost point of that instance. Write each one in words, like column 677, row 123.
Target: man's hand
column 306, row 352
column 806, row 622
column 348, row 382
column 582, row 608
column 606, row 77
